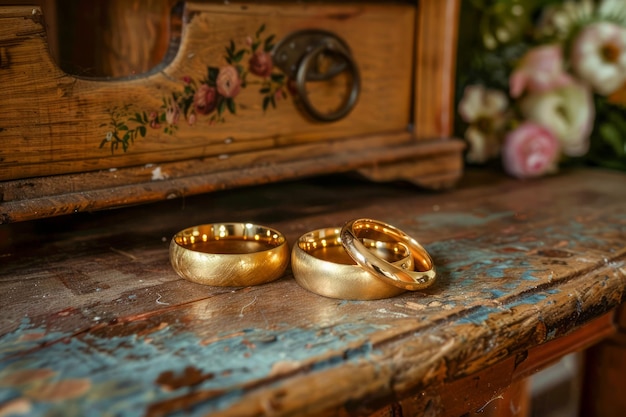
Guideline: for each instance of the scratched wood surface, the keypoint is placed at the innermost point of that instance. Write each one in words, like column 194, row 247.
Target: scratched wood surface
column 95, row 321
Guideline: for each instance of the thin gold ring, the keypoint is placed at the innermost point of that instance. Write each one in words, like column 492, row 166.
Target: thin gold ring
column 229, row 254
column 422, row 277
column 321, row 265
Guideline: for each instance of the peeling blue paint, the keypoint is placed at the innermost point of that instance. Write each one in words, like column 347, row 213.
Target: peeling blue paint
column 135, row 362
column 460, row 219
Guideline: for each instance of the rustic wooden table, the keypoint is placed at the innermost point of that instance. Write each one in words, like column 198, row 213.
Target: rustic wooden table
column 95, row 321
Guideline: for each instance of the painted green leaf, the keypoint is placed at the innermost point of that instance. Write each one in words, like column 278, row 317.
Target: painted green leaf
column 221, row 106
column 237, row 57
column 255, row 46
column 264, row 90
column 213, row 73
column 142, row 131
column 231, row 105
column 266, row 102
column 261, row 29
column 268, row 46
column 278, row 78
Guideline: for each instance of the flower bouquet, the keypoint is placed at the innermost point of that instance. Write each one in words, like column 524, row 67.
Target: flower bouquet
column 546, row 85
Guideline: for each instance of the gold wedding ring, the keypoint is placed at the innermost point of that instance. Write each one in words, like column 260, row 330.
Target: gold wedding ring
column 321, row 265
column 354, row 231
column 229, row 254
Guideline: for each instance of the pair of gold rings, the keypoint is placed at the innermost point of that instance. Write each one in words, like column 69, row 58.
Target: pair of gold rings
column 365, row 259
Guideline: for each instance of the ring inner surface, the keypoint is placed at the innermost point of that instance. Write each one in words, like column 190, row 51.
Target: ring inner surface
column 326, row 245
column 229, row 238
column 385, row 233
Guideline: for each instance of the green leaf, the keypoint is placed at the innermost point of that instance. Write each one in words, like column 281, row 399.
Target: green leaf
column 122, row 127
column 145, row 117
column 265, row 90
column 142, row 131
column 268, row 43
column 231, row 105
column 213, row 73
column 255, row 46
column 266, row 102
column 221, row 106
column 611, row 136
column 273, row 101
column 237, row 57
column 261, row 29
column 277, row 77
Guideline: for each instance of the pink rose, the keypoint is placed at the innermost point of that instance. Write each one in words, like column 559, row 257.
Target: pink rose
column 261, row 64
column 228, row 82
column 540, row 70
column 205, row 99
column 530, row 151
column 154, row 120
column 191, row 119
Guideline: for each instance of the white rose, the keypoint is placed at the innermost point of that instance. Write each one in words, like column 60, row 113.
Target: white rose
column 599, row 56
column 568, row 112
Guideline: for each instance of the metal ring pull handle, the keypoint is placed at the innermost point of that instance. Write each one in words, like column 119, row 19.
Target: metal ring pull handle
column 297, row 54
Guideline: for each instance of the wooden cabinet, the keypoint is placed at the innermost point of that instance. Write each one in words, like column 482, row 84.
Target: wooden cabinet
column 221, row 111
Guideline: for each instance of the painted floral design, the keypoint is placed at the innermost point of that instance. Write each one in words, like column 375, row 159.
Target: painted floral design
column 207, row 99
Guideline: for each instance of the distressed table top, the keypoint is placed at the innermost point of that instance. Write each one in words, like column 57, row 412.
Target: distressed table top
column 95, row 321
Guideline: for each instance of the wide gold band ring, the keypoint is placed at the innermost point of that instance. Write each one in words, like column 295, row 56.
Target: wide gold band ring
column 321, row 265
column 421, row 277
column 229, row 254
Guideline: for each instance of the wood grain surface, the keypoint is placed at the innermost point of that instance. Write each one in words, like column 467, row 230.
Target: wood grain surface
column 96, row 321
column 55, row 123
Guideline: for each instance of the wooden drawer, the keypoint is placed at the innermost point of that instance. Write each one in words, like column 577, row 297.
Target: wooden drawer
column 219, row 113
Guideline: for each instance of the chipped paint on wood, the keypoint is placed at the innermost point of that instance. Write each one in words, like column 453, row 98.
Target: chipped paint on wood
column 60, row 370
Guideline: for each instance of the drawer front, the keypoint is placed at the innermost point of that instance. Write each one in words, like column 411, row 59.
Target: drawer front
column 220, row 96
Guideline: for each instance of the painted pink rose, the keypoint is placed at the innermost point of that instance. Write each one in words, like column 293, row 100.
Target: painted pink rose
column 154, row 120
column 205, row 99
column 541, row 69
column 261, row 64
column 228, row 82
column 191, row 119
column 530, row 151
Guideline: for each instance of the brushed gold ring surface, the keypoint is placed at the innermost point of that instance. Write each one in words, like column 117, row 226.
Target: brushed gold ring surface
column 321, row 265
column 229, row 254
column 421, row 277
